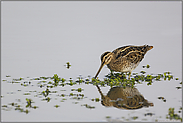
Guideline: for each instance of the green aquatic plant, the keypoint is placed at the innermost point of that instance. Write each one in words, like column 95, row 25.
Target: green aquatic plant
column 45, row 77
column 143, row 72
column 26, row 111
column 63, row 80
column 56, row 79
column 111, row 80
column 63, row 95
column 68, row 65
column 48, row 99
column 80, row 80
column 119, row 79
column 171, row 115
column 46, row 92
column 71, row 94
column 88, row 106
column 149, row 114
column 13, row 104
column 29, row 102
column 134, row 117
column 4, row 106
column 147, row 66
column 49, row 82
column 79, row 89
column 75, row 102
column 71, row 83
column 97, row 99
column 35, row 107
column 56, row 106
column 27, row 94
column 178, row 87
column 36, row 79
column 108, row 117
column 162, row 98
column 63, row 100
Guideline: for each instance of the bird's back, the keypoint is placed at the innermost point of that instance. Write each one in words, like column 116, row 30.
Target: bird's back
column 133, row 54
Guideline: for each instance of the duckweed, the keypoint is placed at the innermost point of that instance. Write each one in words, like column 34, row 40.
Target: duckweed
column 68, row 65
column 56, row 106
column 71, row 94
column 178, row 87
column 147, row 66
column 47, row 99
column 108, row 117
column 35, row 107
column 88, row 106
column 171, row 115
column 80, row 80
column 27, row 94
column 142, row 72
column 79, row 89
column 26, row 111
column 162, row 98
column 45, row 78
column 97, row 99
column 134, row 117
column 118, row 79
column 46, row 92
column 149, row 114
column 63, row 80
column 4, row 106
column 63, row 95
column 111, row 80
column 13, row 104
column 75, row 102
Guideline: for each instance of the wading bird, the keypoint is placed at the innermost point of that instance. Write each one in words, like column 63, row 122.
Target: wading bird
column 124, row 59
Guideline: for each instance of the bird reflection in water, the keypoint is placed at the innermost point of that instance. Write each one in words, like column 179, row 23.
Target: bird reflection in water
column 124, row 98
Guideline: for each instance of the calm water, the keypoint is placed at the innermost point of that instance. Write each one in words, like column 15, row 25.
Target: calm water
column 38, row 42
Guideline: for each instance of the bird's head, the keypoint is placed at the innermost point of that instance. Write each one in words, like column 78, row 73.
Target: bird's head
column 105, row 59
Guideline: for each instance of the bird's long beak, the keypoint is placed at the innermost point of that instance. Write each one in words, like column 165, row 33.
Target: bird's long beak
column 99, row 69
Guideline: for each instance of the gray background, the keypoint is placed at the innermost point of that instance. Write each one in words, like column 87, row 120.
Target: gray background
column 38, row 38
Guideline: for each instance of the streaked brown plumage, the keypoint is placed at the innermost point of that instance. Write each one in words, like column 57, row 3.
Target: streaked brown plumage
column 124, row 59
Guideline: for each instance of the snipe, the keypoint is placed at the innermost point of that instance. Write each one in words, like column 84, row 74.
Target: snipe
column 124, row 98
column 124, row 59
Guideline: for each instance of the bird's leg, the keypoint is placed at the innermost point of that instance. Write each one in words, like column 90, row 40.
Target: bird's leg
column 112, row 73
column 129, row 75
column 126, row 75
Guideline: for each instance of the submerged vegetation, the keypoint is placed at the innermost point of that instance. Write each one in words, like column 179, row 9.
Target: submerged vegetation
column 172, row 115
column 68, row 65
column 46, row 85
